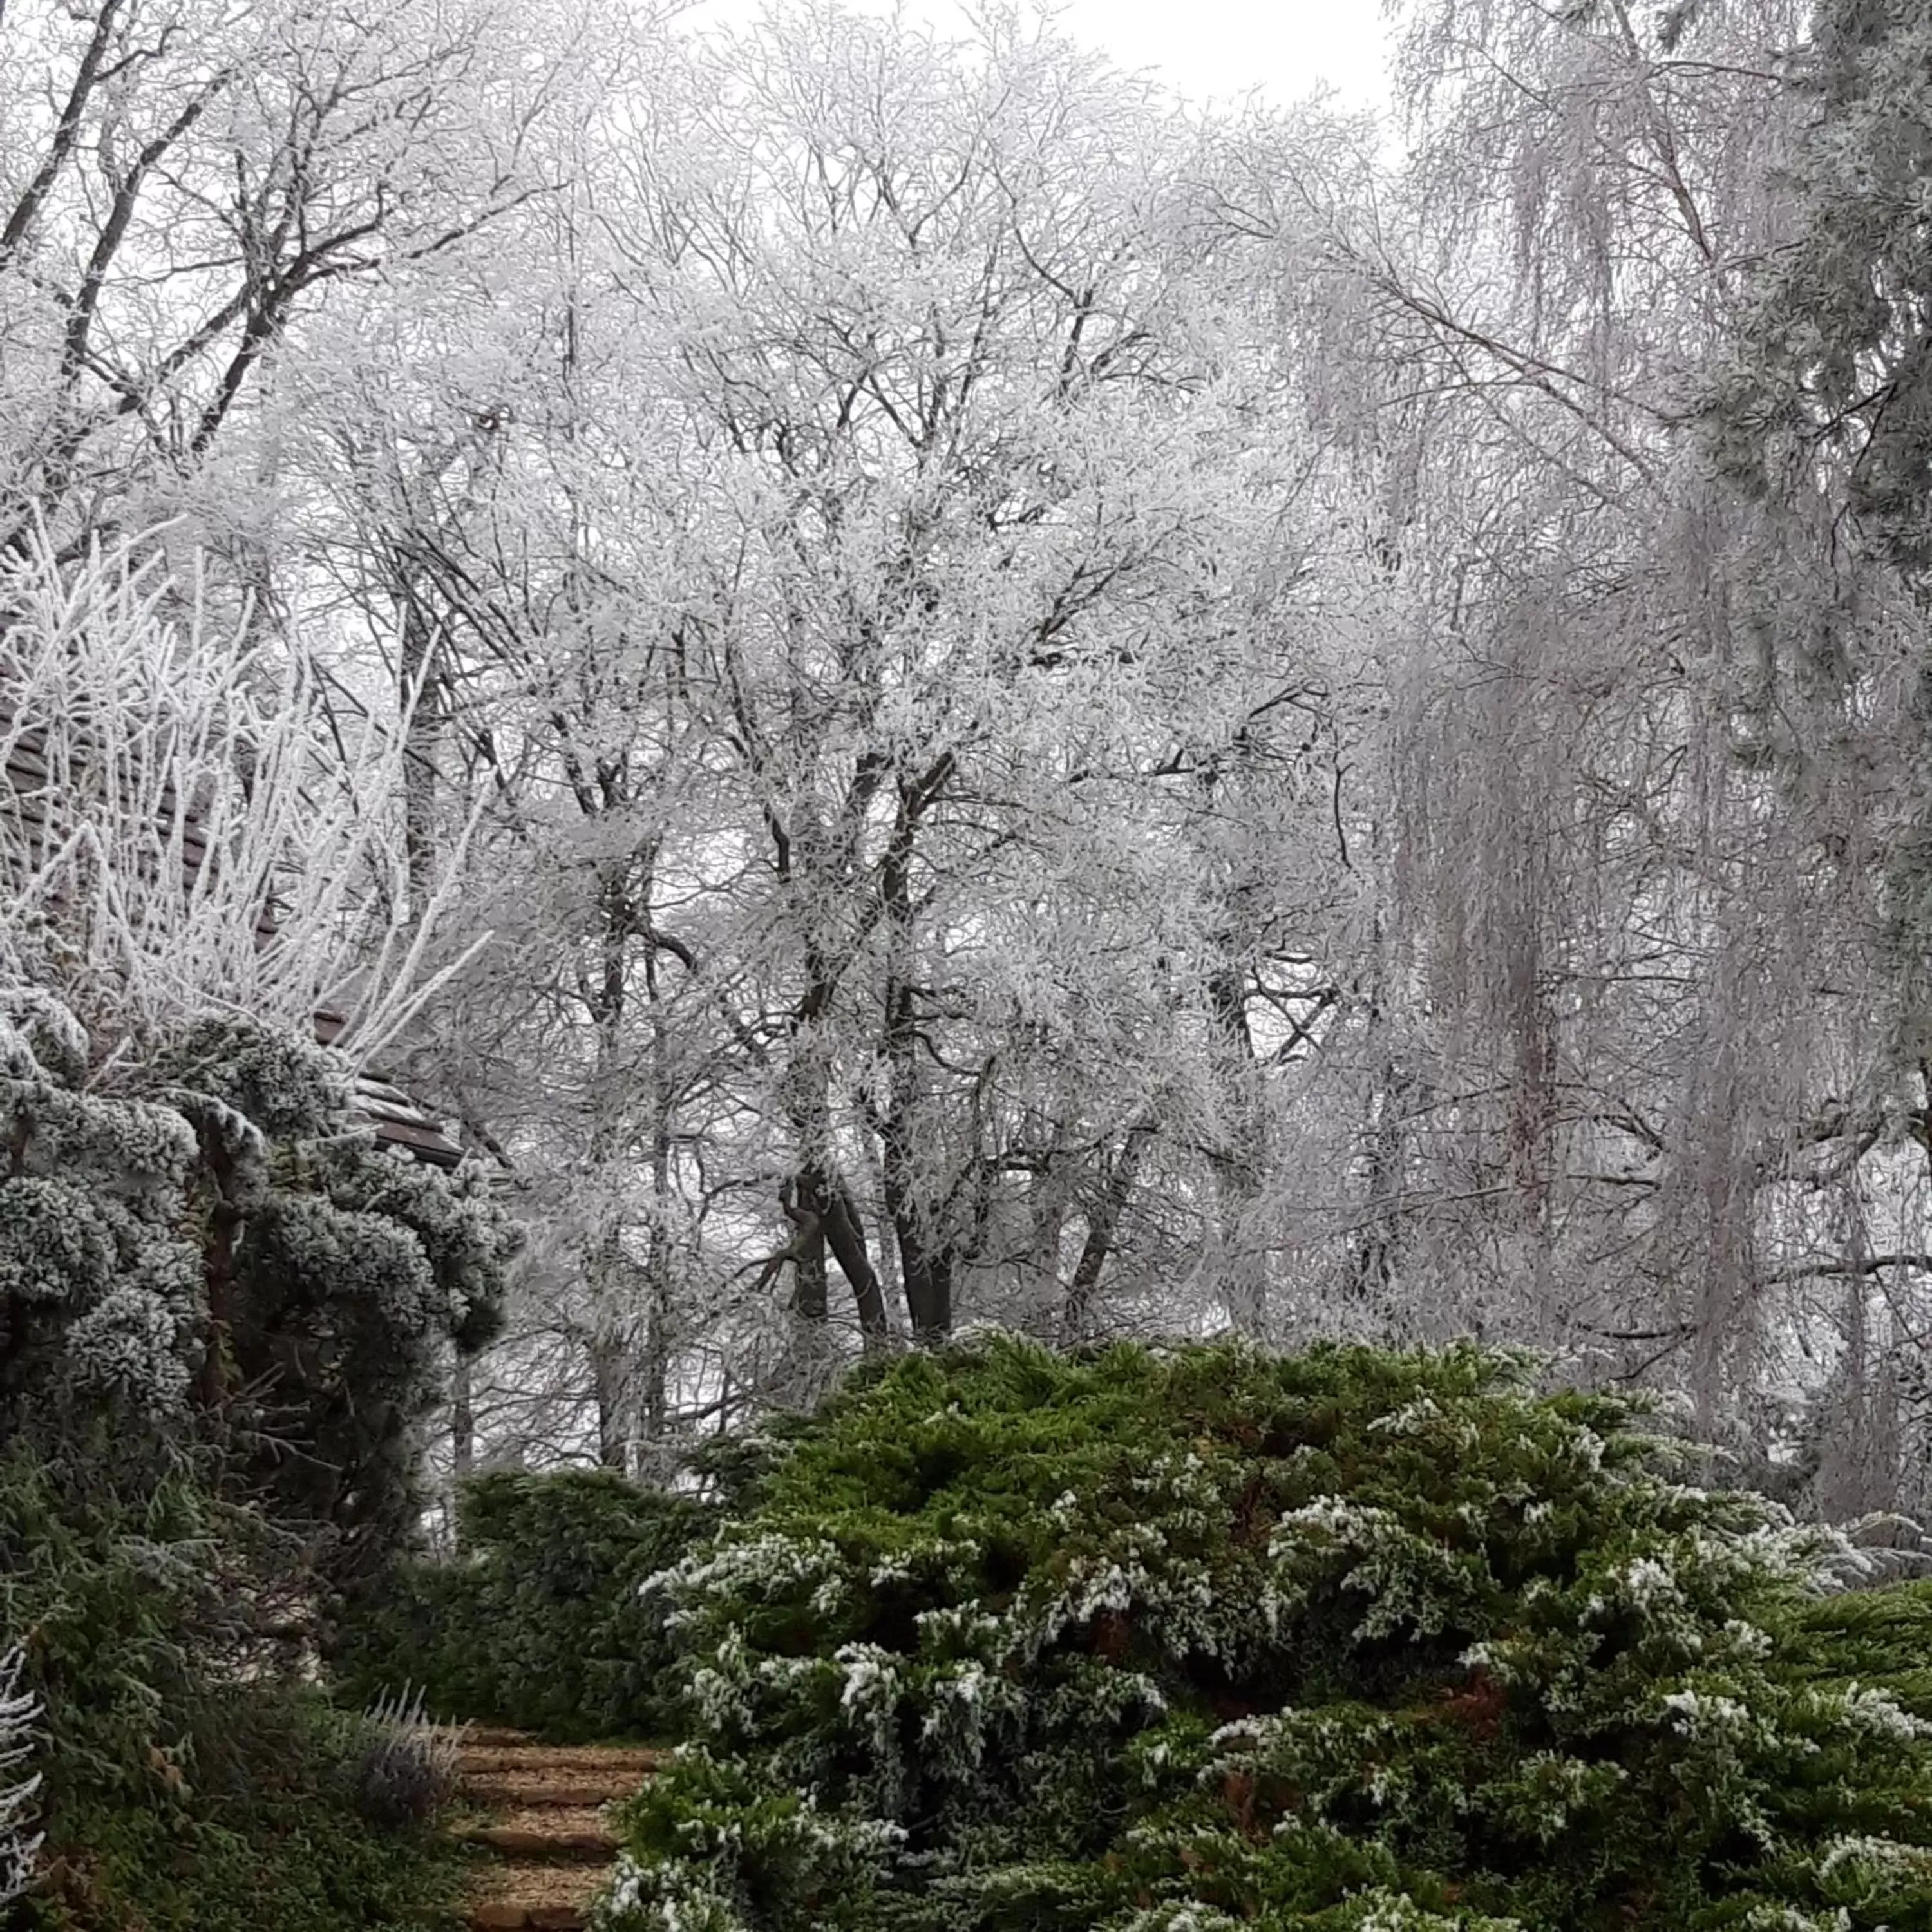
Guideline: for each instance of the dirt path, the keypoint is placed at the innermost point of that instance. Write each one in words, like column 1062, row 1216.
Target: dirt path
column 538, row 1810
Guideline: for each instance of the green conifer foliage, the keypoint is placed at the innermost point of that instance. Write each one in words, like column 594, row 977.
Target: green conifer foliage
column 182, row 1782
column 1167, row 1642
column 539, row 1623
column 1879, row 1637
column 210, row 1247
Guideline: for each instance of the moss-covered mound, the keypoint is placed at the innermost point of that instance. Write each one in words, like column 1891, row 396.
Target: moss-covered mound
column 1165, row 1643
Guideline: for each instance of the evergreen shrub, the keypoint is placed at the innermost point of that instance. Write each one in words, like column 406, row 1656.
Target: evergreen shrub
column 181, row 1787
column 208, row 1246
column 1193, row 1640
column 1880, row 1637
column 541, row 1624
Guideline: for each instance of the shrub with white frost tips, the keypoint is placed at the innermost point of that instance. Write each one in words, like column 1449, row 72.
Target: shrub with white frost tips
column 56, row 1249
column 233, row 1161
column 1352, row 1642
column 128, row 1345
column 289, row 1087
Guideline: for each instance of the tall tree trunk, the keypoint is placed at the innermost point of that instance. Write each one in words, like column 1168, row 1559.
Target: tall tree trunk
column 611, row 1378
column 811, row 1299
column 419, row 686
column 926, row 1257
column 1103, row 1222
column 1375, row 1241
column 820, row 1189
column 1242, row 1288
column 654, row 1402
column 462, row 1420
column 1048, row 1203
column 824, row 1192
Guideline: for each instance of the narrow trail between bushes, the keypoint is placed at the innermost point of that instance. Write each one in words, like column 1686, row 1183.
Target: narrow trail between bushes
column 537, row 1810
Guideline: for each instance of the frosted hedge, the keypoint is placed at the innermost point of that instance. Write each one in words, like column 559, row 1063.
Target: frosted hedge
column 1186, row 1641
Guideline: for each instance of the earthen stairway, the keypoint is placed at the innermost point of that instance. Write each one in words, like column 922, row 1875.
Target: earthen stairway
column 536, row 1810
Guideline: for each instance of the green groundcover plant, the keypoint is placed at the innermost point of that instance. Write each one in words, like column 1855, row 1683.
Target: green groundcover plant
column 540, row 1623
column 1193, row 1640
column 180, row 1784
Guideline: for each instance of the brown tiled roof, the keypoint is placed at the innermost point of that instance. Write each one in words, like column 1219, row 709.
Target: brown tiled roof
column 398, row 1120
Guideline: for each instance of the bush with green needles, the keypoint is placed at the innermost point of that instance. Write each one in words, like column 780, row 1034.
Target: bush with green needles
column 1166, row 1642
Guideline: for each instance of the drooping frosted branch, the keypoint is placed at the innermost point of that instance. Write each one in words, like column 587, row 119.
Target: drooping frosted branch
column 18, row 1842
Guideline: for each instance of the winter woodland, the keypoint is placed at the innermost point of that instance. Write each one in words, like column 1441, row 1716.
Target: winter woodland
column 919, row 691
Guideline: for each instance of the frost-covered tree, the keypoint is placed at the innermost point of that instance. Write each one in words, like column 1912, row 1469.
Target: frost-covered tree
column 1556, row 975
column 1822, row 411
column 914, row 571
column 183, row 184
column 1831, row 384
column 1611, row 1067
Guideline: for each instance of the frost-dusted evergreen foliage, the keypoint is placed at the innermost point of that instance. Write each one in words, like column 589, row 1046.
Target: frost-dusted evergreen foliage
column 19, row 1783
column 339, row 1278
column 1205, row 1638
column 101, row 1295
column 285, row 1088
column 540, row 1623
column 1880, row 1637
column 212, row 1245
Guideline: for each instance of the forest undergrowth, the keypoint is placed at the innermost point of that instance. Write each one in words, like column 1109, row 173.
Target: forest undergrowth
column 696, row 719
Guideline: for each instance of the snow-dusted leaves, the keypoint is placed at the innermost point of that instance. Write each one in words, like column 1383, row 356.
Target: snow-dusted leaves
column 18, row 1786
column 55, row 1247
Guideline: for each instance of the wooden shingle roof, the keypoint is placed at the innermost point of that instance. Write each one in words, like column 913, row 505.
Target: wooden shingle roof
column 398, row 1120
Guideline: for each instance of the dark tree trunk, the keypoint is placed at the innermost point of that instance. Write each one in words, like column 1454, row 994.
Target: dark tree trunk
column 610, row 1370
column 462, row 1420
column 927, row 1256
column 1103, row 1222
column 825, row 1195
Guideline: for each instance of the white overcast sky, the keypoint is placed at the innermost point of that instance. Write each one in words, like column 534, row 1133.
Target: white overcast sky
column 1222, row 49
column 1207, row 49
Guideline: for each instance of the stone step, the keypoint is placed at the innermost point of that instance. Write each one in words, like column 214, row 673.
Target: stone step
column 553, row 1851
column 528, row 1789
column 560, row 1832
column 498, row 1918
column 516, row 1755
column 531, row 1897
